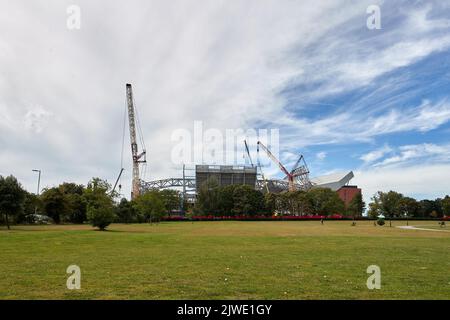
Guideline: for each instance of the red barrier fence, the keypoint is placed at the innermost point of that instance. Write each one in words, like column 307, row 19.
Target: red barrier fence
column 256, row 218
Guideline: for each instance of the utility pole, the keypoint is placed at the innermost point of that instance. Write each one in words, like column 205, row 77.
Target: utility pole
column 135, row 190
column 38, row 187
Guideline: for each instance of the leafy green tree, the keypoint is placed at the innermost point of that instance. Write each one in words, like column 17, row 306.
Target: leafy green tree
column 374, row 207
column 409, row 207
column 357, row 206
column 247, row 201
column 302, row 204
column 54, row 203
column 388, row 204
column 12, row 197
column 171, row 200
column 71, row 188
column 291, row 201
column 150, row 205
column 100, row 205
column 76, row 204
column 426, row 207
column 446, row 205
column 77, row 208
column 125, row 212
column 270, row 203
column 96, row 187
column 439, row 212
column 208, row 198
column 226, row 200
column 32, row 205
column 100, row 212
column 325, row 201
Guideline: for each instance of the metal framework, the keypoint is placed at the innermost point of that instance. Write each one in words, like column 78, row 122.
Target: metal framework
column 189, row 184
column 135, row 191
column 299, row 175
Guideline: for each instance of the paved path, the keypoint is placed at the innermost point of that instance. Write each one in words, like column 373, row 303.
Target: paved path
column 416, row 228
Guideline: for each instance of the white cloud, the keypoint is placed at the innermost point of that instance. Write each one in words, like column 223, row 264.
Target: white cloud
column 376, row 154
column 420, row 181
column 426, row 152
column 321, row 155
column 36, row 119
column 350, row 126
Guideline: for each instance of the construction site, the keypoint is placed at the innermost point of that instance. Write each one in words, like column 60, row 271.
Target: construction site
column 191, row 178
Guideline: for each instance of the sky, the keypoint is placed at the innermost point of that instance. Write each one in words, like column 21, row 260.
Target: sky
column 347, row 97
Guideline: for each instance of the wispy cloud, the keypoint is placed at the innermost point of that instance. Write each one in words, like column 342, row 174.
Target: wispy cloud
column 376, row 154
column 321, row 155
column 424, row 153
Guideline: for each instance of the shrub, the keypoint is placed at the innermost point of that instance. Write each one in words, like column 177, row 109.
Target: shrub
column 100, row 212
column 100, row 217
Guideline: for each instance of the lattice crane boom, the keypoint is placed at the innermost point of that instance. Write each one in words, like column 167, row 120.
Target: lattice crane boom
column 135, row 189
column 280, row 165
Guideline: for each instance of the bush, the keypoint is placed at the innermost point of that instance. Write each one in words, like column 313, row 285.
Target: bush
column 100, row 216
column 150, row 206
column 380, row 222
column 100, row 211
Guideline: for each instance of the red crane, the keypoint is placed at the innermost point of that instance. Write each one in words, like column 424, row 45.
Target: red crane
column 298, row 172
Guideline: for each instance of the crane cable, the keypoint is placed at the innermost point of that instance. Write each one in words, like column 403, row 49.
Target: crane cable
column 142, row 172
column 123, row 143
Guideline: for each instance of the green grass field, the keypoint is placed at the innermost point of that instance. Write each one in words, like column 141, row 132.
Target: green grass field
column 226, row 260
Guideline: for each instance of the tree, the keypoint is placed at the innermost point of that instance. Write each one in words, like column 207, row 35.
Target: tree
column 77, row 208
column 303, row 205
column 446, row 205
column 100, row 208
column 96, row 187
column 247, row 201
column 325, row 201
column 12, row 197
column 54, row 203
column 386, row 203
column 32, row 205
column 270, row 203
column 226, row 200
column 100, row 212
column 426, row 207
column 208, row 197
column 150, row 205
column 76, row 204
column 357, row 206
column 171, row 200
column 409, row 207
column 125, row 212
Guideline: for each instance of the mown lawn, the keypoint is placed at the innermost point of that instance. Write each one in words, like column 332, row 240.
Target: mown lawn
column 225, row 260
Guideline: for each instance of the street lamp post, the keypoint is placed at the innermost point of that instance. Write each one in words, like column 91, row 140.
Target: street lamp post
column 38, row 187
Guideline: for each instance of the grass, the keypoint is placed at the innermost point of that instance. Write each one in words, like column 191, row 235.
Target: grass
column 226, row 260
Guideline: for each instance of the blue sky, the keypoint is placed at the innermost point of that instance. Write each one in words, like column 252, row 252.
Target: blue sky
column 348, row 98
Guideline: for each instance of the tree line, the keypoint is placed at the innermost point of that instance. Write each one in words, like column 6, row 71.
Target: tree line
column 237, row 200
column 76, row 203
column 393, row 204
column 96, row 203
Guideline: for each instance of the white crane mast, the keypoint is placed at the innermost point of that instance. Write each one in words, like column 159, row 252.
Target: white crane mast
column 135, row 190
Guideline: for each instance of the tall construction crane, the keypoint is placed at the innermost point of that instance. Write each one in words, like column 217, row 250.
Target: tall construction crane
column 137, row 157
column 299, row 172
column 258, row 166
